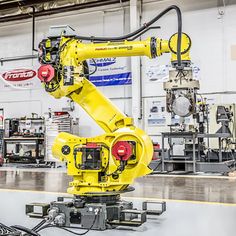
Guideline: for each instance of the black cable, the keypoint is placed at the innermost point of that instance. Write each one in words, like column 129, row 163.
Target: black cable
column 67, row 228
column 44, row 227
column 144, row 31
column 87, row 68
column 134, row 33
column 39, row 224
column 26, row 230
column 95, row 68
column 5, row 230
column 143, row 28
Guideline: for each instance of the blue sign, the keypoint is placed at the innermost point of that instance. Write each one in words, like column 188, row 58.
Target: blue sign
column 110, row 72
column 109, row 80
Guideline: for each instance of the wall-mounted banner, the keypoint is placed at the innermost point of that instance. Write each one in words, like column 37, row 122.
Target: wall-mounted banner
column 110, row 71
column 157, row 73
column 160, row 73
column 20, row 78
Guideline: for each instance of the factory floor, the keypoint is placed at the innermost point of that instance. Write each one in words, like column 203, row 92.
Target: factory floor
column 196, row 205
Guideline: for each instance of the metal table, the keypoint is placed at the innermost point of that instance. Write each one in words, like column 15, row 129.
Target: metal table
column 170, row 136
column 24, row 141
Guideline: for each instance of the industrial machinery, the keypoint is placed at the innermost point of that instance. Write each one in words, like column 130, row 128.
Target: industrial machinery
column 11, row 127
column 24, row 127
column 23, row 140
column 187, row 146
column 208, row 146
column 224, row 117
column 181, row 88
column 102, row 167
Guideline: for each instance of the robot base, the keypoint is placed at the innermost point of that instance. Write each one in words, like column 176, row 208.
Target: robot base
column 97, row 212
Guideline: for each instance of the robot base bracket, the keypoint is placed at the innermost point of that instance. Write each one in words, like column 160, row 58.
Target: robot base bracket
column 96, row 212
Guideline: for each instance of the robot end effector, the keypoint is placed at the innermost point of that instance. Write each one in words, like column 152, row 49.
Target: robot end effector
column 181, row 88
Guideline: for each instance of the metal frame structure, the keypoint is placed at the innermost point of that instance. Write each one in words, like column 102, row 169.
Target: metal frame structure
column 193, row 163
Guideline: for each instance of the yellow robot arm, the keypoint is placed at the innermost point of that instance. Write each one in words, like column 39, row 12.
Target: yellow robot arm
column 109, row 162
column 81, row 51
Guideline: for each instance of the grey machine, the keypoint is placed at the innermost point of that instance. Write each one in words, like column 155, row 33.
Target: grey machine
column 188, row 148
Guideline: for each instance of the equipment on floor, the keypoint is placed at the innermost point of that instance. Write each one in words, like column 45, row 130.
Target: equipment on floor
column 224, row 117
column 188, row 145
column 55, row 123
column 208, row 146
column 102, row 167
column 23, row 140
column 24, row 127
column 11, row 127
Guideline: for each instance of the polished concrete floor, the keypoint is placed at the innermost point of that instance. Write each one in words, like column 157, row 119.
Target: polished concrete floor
column 196, row 205
column 199, row 188
column 180, row 219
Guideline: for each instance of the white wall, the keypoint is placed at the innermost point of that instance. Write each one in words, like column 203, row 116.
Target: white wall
column 15, row 39
column 212, row 38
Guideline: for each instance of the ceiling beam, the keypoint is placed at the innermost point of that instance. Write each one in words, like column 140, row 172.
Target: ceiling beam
column 6, row 5
column 59, row 9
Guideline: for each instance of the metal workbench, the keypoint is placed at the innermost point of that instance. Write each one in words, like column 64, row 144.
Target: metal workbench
column 193, row 163
column 35, row 141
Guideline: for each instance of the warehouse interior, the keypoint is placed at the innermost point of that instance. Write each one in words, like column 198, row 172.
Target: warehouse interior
column 117, row 117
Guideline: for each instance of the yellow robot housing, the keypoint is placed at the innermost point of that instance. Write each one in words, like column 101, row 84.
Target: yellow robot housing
column 110, row 162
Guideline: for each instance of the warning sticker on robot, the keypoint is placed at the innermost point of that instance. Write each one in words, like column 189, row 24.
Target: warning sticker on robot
column 110, row 71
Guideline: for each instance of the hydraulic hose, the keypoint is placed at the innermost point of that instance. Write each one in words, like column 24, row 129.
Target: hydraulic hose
column 143, row 28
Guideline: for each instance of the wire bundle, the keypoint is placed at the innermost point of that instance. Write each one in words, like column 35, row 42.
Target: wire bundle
column 5, row 230
column 16, row 230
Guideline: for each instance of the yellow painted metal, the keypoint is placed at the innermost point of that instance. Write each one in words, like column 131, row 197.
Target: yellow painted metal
column 75, row 52
column 89, row 181
column 164, row 46
column 185, row 47
column 80, row 51
column 117, row 126
column 104, row 113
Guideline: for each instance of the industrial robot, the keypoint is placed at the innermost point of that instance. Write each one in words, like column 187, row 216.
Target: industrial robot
column 105, row 166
